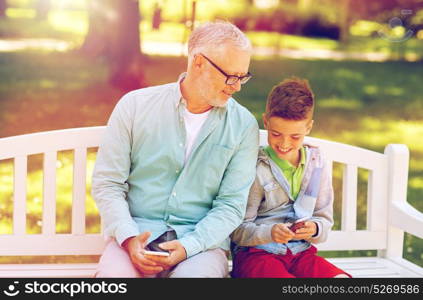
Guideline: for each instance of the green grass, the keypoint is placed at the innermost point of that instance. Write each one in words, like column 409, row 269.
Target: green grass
column 359, row 103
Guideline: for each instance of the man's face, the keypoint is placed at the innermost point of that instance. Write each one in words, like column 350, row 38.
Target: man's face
column 214, row 89
column 286, row 136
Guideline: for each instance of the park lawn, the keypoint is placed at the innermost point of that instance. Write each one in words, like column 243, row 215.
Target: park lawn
column 359, row 103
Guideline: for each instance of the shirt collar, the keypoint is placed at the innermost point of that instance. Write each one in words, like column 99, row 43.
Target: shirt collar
column 179, row 99
column 284, row 164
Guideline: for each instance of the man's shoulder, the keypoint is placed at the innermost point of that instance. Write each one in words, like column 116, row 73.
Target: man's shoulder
column 151, row 91
column 239, row 112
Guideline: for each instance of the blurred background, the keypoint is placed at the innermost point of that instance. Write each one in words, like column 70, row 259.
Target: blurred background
column 65, row 64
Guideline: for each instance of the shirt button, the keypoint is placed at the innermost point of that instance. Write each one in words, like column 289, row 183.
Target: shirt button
column 177, row 171
column 174, row 194
column 180, row 144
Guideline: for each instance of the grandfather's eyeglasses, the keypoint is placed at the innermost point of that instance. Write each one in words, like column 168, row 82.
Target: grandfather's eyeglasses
column 230, row 79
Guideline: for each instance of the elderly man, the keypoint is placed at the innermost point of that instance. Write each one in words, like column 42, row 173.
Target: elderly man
column 176, row 163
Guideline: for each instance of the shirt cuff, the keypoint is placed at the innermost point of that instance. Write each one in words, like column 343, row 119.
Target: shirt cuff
column 191, row 245
column 125, row 231
column 264, row 233
column 318, row 229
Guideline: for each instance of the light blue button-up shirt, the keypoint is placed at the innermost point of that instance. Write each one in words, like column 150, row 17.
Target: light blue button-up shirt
column 140, row 181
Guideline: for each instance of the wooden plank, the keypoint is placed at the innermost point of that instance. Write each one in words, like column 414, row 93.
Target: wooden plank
column 19, row 195
column 48, row 270
column 377, row 267
column 407, row 265
column 356, row 266
column 59, row 244
column 348, row 154
column 398, row 157
column 343, row 153
column 49, row 193
column 56, row 140
column 377, row 200
column 357, row 240
column 79, row 191
column 349, row 198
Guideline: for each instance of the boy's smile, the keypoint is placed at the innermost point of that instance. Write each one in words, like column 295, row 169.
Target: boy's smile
column 286, row 136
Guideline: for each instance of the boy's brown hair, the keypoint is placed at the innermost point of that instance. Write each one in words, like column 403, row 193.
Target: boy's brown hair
column 291, row 99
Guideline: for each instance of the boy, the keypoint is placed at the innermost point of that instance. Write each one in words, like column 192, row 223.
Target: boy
column 292, row 183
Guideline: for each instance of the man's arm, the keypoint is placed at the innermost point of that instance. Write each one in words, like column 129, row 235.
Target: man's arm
column 228, row 208
column 109, row 186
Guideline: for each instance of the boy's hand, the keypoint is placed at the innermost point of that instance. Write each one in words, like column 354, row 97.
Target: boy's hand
column 281, row 233
column 306, row 232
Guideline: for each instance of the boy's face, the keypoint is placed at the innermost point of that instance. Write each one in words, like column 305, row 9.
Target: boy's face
column 286, row 136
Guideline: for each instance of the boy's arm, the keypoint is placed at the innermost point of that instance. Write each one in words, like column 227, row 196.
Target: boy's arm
column 249, row 233
column 323, row 211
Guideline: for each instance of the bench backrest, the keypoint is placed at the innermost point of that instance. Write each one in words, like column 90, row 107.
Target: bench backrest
column 375, row 236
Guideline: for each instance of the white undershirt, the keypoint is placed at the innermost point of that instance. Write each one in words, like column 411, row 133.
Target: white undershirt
column 193, row 124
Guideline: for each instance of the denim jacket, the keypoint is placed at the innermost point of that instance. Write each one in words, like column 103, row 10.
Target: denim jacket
column 270, row 202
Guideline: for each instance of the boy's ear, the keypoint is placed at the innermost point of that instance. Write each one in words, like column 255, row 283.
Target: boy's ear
column 264, row 120
column 309, row 126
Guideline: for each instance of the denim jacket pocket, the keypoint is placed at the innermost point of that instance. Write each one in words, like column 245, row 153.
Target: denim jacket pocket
column 274, row 196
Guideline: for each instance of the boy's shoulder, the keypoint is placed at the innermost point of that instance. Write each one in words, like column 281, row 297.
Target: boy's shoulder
column 262, row 154
column 314, row 154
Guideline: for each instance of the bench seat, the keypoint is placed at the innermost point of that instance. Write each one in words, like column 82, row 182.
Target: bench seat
column 358, row 267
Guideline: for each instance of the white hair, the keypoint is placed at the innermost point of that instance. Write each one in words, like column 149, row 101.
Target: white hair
column 216, row 35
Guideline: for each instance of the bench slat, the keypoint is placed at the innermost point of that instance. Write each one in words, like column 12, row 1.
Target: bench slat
column 374, row 267
column 355, row 240
column 79, row 190
column 48, row 270
column 56, row 140
column 349, row 198
column 356, row 266
column 59, row 244
column 377, row 203
column 49, row 193
column 19, row 195
column 348, row 154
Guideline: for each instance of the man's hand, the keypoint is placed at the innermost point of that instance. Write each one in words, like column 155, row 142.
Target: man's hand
column 135, row 246
column 281, row 233
column 177, row 253
column 306, row 232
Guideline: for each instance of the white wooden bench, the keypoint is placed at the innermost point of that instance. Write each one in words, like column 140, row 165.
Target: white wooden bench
column 388, row 213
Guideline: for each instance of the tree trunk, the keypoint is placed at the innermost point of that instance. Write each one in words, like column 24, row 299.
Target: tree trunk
column 344, row 22
column 114, row 34
column 3, row 6
column 42, row 7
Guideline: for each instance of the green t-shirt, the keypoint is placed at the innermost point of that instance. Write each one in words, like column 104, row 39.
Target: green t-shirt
column 294, row 175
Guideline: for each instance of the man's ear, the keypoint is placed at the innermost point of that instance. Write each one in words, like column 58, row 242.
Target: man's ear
column 309, row 126
column 264, row 120
column 197, row 61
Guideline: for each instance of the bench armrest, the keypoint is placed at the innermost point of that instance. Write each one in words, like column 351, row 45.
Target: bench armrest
column 401, row 214
column 407, row 218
